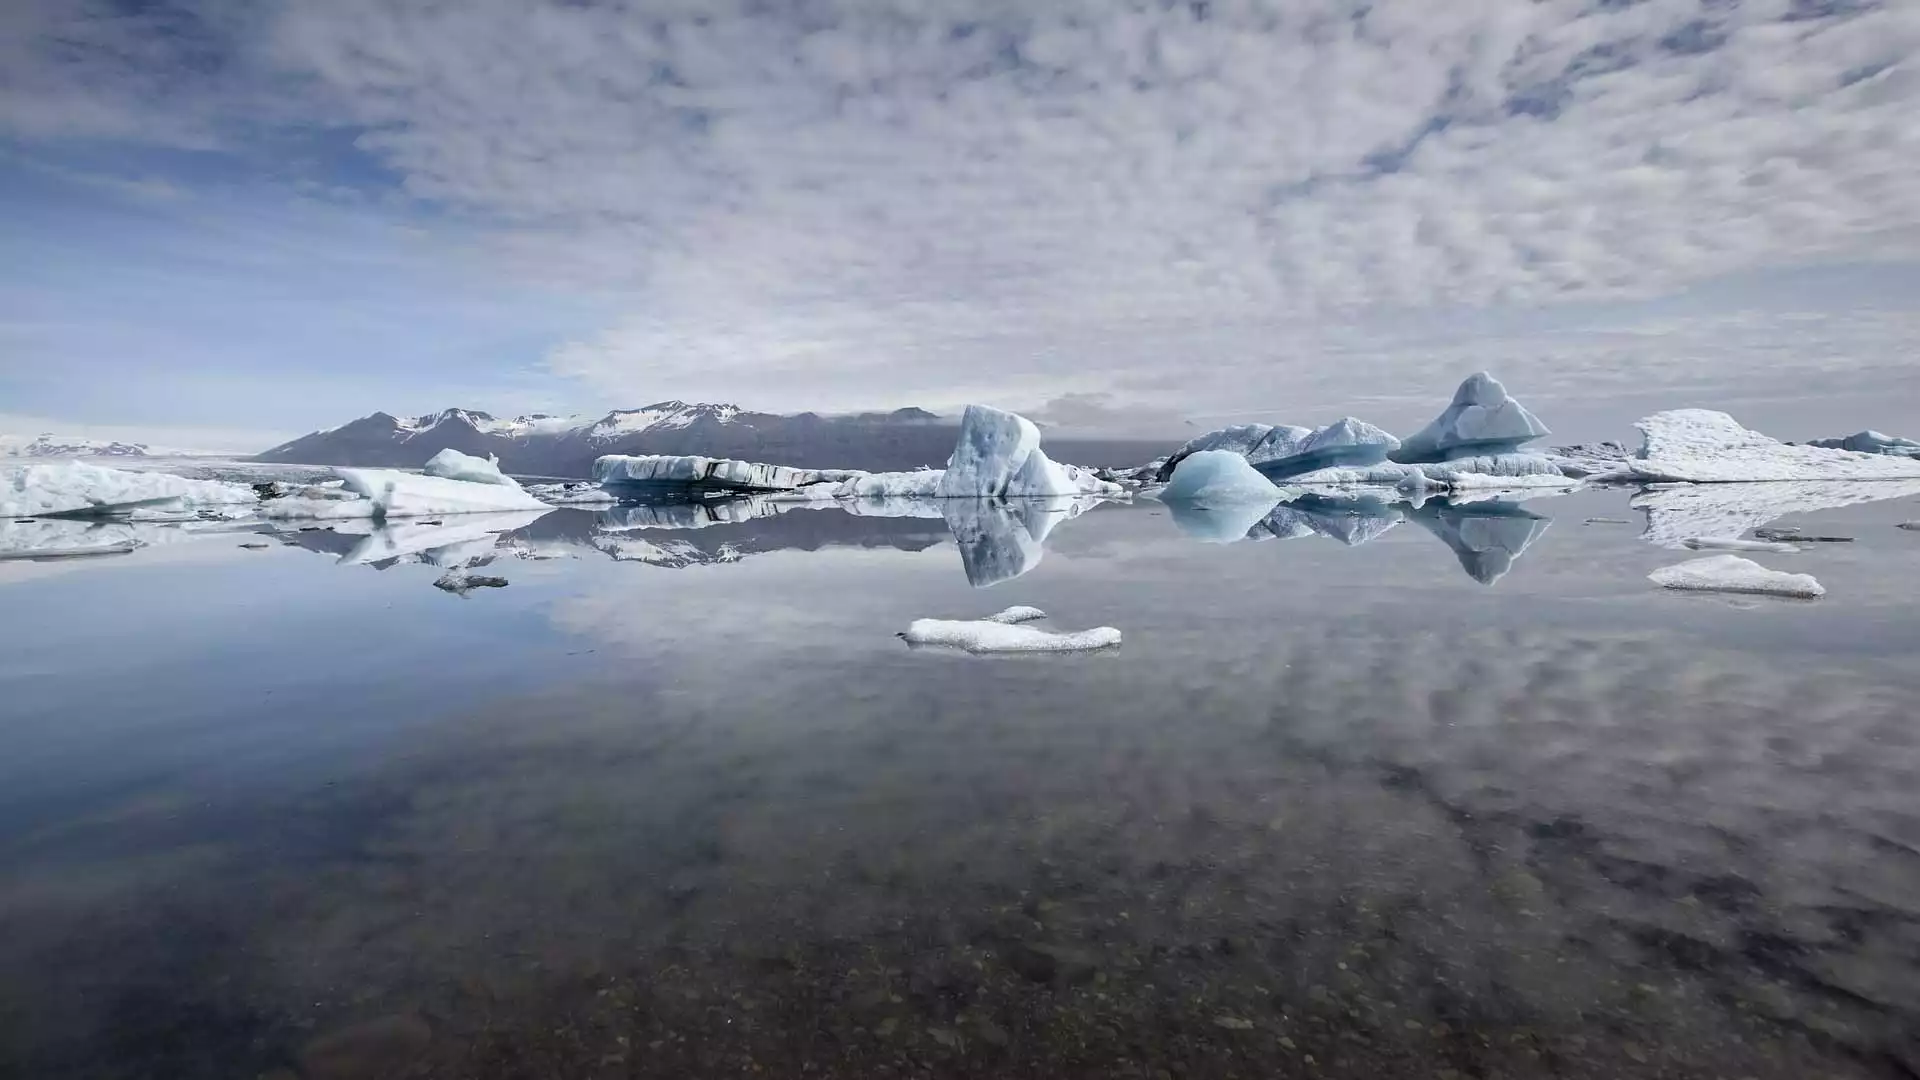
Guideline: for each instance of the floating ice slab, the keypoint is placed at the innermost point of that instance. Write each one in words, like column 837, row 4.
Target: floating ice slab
column 1482, row 419
column 1255, row 442
column 65, row 486
column 451, row 464
column 1218, row 478
column 1731, row 573
column 1010, row 631
column 1703, row 446
column 573, row 493
column 399, row 494
column 1728, row 543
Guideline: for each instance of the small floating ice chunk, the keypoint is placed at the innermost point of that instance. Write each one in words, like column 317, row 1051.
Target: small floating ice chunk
column 1731, row 573
column 1216, row 478
column 460, row 582
column 1728, row 543
column 1007, row 632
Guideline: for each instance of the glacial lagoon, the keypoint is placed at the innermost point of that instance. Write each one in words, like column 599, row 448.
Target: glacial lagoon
column 1368, row 790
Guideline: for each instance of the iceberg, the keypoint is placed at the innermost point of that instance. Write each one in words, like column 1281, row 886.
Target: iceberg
column 451, row 464
column 1255, row 442
column 75, row 487
column 1871, row 442
column 998, row 455
column 1345, row 443
column 1731, row 573
column 1010, row 631
column 1487, row 537
column 397, row 494
column 1481, row 420
column 1703, row 446
column 665, row 474
column 1676, row 513
column 1216, row 478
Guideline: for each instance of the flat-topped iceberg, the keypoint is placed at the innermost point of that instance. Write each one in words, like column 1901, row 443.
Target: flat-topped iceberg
column 1218, row 478
column 77, row 488
column 451, row 464
column 395, row 494
column 1708, row 447
column 1731, row 573
column 998, row 456
column 658, row 474
column 1482, row 419
column 1871, row 442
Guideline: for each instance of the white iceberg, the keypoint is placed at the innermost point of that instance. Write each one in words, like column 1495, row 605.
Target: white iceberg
column 1218, row 478
column 1731, row 573
column 1481, row 420
column 396, row 494
column 76, row 486
column 1676, row 513
column 1871, row 442
column 1703, row 446
column 998, row 455
column 1010, row 631
column 451, row 464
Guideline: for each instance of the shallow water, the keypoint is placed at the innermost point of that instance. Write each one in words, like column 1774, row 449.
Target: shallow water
column 678, row 803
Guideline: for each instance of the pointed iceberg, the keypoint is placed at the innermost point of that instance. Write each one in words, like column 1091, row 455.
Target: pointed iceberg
column 998, row 456
column 1482, row 420
column 1487, row 537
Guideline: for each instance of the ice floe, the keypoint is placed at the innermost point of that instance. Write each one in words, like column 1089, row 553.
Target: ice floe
column 1704, row 446
column 1010, row 631
column 1731, row 573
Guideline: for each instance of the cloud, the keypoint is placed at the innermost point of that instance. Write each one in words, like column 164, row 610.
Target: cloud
column 847, row 204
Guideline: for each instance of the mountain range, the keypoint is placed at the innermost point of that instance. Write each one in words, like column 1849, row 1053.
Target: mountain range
column 65, row 446
column 555, row 446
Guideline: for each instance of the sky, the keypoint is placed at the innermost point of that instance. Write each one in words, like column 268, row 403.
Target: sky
column 232, row 220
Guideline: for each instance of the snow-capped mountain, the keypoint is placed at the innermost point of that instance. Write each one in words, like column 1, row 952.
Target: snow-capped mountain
column 48, row 445
column 566, row 446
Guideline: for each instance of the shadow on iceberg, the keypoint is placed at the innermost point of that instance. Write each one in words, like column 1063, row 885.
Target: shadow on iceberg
column 1488, row 537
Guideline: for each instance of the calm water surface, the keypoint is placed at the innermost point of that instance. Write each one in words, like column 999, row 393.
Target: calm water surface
column 680, row 804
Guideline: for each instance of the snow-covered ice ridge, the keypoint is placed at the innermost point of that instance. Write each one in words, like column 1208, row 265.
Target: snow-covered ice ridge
column 1708, row 447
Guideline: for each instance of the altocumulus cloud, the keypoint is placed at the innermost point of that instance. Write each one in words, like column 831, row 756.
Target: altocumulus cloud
column 858, row 201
